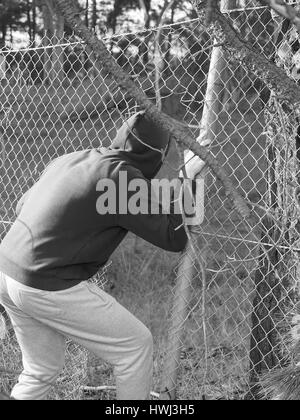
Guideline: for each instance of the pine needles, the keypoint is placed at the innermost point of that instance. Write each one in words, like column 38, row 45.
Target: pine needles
column 284, row 383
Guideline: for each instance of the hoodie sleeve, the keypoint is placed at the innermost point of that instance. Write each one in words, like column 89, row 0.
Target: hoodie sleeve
column 163, row 230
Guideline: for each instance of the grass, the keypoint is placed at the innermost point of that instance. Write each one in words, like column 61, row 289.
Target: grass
column 142, row 277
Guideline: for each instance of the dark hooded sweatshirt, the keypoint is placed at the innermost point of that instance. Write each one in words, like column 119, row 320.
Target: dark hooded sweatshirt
column 59, row 239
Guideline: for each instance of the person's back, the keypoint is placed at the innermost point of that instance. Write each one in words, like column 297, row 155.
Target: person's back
column 58, row 238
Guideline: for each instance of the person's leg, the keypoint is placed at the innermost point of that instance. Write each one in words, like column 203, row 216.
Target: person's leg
column 43, row 350
column 95, row 320
column 43, row 355
column 115, row 335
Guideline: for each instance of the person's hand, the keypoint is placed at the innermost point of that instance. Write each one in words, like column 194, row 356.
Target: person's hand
column 193, row 164
column 195, row 171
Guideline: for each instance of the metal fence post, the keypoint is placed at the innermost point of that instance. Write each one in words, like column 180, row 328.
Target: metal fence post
column 182, row 296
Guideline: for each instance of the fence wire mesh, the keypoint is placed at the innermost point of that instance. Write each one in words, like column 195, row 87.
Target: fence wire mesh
column 243, row 280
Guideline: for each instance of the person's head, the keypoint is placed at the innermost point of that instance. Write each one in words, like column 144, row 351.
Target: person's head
column 144, row 143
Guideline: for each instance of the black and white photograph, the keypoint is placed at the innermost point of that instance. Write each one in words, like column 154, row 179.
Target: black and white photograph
column 149, row 203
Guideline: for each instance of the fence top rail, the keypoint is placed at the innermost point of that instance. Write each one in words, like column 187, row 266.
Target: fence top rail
column 105, row 38
column 137, row 32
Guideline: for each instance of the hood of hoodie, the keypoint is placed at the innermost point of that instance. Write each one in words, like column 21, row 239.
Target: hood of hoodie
column 143, row 143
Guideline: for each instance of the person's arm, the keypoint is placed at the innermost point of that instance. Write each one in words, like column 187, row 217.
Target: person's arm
column 163, row 230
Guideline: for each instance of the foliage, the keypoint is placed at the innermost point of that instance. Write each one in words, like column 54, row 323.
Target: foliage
column 103, row 16
column 11, row 12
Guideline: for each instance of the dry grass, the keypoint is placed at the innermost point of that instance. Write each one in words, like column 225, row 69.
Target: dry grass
column 67, row 387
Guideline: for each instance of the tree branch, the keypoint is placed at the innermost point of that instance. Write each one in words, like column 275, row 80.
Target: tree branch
column 145, row 11
column 106, row 63
column 285, row 10
column 243, row 52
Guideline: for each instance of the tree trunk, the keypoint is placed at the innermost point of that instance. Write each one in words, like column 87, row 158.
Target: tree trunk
column 213, row 103
column 48, row 18
column 114, row 16
column 34, row 10
column 166, row 45
column 58, row 52
column 4, row 33
column 275, row 295
column 215, row 86
column 181, row 302
column 264, row 352
column 54, row 24
column 94, row 15
column 29, row 21
column 276, row 276
column 170, row 40
column 11, row 34
column 87, row 6
column 145, row 6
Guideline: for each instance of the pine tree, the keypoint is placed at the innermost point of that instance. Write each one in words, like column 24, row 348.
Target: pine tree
column 11, row 12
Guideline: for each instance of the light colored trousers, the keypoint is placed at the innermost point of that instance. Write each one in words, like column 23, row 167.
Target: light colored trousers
column 90, row 317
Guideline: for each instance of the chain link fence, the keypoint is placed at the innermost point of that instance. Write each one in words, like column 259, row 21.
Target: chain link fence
column 241, row 279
